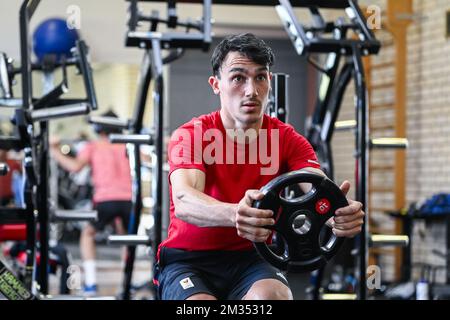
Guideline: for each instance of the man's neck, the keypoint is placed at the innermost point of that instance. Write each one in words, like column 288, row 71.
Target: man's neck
column 238, row 131
column 103, row 138
column 230, row 124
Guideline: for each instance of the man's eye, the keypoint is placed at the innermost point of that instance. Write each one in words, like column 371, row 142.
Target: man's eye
column 261, row 77
column 238, row 78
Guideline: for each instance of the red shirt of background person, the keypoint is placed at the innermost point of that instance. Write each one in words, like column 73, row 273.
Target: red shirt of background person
column 110, row 170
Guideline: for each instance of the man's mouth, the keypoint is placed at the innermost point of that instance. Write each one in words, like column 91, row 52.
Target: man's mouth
column 251, row 104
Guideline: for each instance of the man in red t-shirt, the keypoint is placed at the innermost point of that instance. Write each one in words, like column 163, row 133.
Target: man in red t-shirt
column 111, row 178
column 218, row 161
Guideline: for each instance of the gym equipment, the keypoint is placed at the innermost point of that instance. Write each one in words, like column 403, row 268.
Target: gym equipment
column 279, row 99
column 5, row 82
column 55, row 107
column 169, row 40
column 106, row 127
column 31, row 117
column 295, row 3
column 74, row 215
column 333, row 38
column 4, row 169
column 301, row 221
column 14, row 289
column 11, row 287
column 383, row 240
column 53, row 37
column 151, row 69
column 334, row 80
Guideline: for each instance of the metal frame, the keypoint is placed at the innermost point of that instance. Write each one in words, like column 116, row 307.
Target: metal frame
column 152, row 70
column 169, row 40
column 296, row 3
column 334, row 81
column 31, row 117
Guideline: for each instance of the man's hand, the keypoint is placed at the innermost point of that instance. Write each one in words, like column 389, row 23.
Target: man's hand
column 249, row 221
column 348, row 220
column 54, row 142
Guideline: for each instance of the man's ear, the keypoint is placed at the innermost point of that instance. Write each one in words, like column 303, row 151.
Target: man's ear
column 214, row 83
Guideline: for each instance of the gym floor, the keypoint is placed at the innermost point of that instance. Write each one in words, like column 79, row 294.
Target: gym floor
column 109, row 270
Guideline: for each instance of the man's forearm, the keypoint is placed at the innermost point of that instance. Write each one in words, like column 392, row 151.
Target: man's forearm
column 197, row 208
column 68, row 163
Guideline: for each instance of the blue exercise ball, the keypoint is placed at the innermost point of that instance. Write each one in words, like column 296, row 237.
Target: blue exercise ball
column 52, row 36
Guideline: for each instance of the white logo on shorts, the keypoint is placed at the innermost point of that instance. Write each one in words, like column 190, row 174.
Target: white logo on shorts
column 186, row 283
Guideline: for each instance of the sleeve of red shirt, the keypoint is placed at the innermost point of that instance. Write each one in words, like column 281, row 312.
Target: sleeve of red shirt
column 185, row 148
column 86, row 152
column 299, row 152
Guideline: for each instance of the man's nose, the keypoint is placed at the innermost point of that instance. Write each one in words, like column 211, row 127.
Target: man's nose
column 251, row 89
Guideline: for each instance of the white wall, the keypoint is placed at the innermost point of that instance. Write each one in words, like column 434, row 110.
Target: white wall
column 103, row 23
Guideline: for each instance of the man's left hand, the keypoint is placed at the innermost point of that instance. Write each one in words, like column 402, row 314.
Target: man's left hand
column 348, row 220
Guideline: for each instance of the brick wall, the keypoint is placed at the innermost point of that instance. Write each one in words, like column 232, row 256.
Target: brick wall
column 428, row 126
column 428, row 120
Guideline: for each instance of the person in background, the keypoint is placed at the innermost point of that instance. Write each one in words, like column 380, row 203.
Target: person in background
column 111, row 179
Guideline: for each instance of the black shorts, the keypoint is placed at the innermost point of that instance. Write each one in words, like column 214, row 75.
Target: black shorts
column 227, row 275
column 109, row 210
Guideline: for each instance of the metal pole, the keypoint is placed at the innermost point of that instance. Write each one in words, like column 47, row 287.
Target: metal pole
column 135, row 162
column 362, row 156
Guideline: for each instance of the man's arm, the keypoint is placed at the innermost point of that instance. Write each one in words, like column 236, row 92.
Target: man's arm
column 194, row 206
column 68, row 163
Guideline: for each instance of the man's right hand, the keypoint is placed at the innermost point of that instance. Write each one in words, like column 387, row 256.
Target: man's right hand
column 250, row 221
column 54, row 142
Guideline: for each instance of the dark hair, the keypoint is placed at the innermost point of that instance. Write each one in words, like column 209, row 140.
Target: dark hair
column 107, row 129
column 248, row 45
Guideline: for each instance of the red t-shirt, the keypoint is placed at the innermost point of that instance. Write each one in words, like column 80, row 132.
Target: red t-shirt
column 227, row 181
column 6, row 181
column 111, row 175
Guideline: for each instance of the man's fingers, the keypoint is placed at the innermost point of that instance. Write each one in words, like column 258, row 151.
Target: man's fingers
column 347, row 233
column 245, row 208
column 254, row 195
column 54, row 141
column 254, row 234
column 345, row 187
column 352, row 208
column 253, row 212
column 348, row 225
column 330, row 222
column 255, row 222
column 348, row 217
